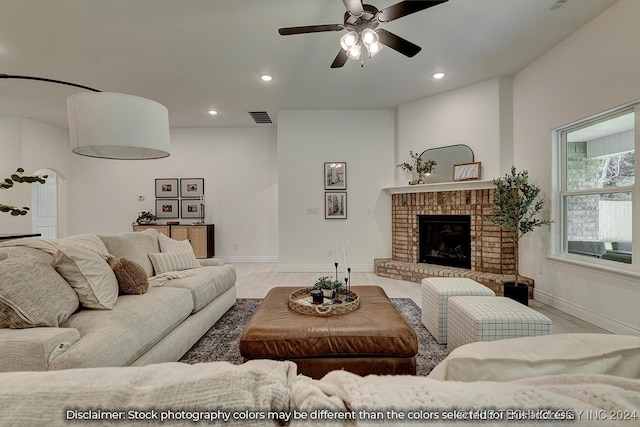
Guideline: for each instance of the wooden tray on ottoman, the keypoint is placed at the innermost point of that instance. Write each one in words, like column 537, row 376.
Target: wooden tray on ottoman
column 374, row 339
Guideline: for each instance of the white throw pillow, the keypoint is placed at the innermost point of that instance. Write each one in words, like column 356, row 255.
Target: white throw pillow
column 89, row 275
column 32, row 294
column 167, row 244
column 173, row 261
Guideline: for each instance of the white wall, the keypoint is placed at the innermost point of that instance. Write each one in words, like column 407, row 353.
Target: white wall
column 31, row 145
column 239, row 167
column 478, row 115
column 363, row 139
column 593, row 70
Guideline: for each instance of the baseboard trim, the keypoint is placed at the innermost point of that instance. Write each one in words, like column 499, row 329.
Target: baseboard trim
column 322, row 268
column 234, row 259
column 582, row 313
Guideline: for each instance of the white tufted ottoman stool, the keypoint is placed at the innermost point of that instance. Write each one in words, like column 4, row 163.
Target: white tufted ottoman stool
column 436, row 291
column 472, row 319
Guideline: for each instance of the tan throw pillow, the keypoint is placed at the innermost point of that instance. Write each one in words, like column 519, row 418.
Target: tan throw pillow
column 32, row 293
column 132, row 279
column 89, row 275
column 173, row 261
column 167, row 244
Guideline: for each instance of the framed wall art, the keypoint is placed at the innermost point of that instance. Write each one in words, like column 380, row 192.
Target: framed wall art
column 167, row 208
column 191, row 187
column 335, row 205
column 466, row 171
column 335, row 176
column 166, row 187
column 192, row 208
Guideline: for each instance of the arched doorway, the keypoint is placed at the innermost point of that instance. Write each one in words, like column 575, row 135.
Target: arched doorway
column 46, row 218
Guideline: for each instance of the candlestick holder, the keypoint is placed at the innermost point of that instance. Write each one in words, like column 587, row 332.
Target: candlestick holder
column 347, row 282
column 336, row 264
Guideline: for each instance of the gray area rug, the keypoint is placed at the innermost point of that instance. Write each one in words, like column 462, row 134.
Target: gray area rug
column 222, row 341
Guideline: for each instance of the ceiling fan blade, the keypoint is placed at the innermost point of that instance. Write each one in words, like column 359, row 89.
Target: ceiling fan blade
column 354, row 7
column 405, row 8
column 310, row 29
column 340, row 60
column 397, row 43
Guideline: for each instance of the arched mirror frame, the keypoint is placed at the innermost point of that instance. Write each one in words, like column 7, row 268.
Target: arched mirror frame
column 445, row 158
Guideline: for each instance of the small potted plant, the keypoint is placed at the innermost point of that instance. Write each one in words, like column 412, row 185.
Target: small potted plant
column 328, row 286
column 515, row 207
column 418, row 168
column 146, row 217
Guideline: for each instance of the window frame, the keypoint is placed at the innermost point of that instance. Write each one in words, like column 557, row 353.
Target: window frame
column 561, row 193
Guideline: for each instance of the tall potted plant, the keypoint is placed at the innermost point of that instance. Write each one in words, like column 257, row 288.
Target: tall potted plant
column 515, row 208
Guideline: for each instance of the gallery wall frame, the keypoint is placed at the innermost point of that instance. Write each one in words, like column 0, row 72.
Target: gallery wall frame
column 335, row 205
column 335, row 175
column 192, row 208
column 466, row 171
column 167, row 208
column 166, row 188
column 191, row 187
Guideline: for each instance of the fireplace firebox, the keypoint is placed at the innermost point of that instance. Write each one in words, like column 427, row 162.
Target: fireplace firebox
column 445, row 240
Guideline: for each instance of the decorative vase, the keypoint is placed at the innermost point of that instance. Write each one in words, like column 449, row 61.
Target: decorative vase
column 329, row 293
column 415, row 177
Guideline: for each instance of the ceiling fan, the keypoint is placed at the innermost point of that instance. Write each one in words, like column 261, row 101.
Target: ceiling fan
column 361, row 22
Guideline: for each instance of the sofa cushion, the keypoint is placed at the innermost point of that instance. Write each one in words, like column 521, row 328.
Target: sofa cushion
column 132, row 279
column 89, row 275
column 513, row 359
column 119, row 336
column 32, row 293
column 173, row 261
column 206, row 284
column 167, row 244
column 134, row 246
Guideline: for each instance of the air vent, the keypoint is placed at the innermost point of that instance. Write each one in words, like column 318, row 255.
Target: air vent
column 260, row 117
column 558, row 4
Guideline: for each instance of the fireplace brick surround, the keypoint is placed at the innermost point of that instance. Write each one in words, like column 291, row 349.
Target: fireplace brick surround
column 492, row 251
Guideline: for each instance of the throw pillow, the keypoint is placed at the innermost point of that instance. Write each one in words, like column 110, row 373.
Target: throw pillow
column 132, row 279
column 89, row 275
column 32, row 293
column 167, row 244
column 173, row 261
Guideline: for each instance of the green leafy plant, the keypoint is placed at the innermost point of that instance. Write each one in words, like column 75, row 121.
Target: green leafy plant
column 146, row 217
column 419, row 166
column 326, row 282
column 18, row 177
column 515, row 208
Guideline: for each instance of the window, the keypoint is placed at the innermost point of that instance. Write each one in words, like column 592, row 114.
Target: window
column 597, row 188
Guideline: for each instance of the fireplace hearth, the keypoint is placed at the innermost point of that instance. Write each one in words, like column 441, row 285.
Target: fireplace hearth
column 445, row 240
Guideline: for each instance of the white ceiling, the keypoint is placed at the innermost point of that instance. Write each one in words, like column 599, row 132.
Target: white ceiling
column 195, row 55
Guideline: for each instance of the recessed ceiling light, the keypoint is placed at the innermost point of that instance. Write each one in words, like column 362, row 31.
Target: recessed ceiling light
column 266, row 77
column 212, row 112
column 438, row 75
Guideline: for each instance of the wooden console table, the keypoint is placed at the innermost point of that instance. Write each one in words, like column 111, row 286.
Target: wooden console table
column 200, row 235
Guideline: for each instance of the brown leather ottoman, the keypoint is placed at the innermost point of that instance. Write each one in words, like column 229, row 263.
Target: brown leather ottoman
column 374, row 339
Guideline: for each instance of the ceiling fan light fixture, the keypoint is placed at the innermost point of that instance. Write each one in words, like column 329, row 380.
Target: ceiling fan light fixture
column 349, row 40
column 374, row 48
column 355, row 52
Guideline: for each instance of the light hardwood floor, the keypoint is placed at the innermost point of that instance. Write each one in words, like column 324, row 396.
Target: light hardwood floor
column 255, row 279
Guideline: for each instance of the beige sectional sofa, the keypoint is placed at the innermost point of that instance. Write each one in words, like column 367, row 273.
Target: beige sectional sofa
column 571, row 379
column 108, row 329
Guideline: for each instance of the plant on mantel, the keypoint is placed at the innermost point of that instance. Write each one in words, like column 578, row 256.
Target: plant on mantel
column 18, row 177
column 418, row 167
column 515, row 208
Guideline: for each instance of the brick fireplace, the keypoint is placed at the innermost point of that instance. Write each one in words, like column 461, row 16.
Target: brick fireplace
column 492, row 252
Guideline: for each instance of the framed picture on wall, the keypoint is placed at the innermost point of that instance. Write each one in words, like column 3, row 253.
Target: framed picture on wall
column 335, row 176
column 192, row 208
column 167, row 208
column 335, row 205
column 166, row 187
column 191, row 187
column 466, row 171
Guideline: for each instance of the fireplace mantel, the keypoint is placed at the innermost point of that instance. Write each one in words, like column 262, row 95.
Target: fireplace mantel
column 441, row 186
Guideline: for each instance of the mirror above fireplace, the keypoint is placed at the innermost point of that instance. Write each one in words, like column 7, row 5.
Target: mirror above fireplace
column 445, row 158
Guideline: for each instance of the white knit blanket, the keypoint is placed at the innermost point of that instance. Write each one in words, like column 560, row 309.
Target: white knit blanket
column 162, row 278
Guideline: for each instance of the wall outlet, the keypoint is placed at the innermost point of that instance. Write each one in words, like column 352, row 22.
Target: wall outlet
column 313, row 211
column 330, row 253
column 235, row 246
column 540, row 270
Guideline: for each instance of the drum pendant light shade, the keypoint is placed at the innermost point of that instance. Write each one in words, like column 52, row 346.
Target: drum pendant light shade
column 117, row 126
